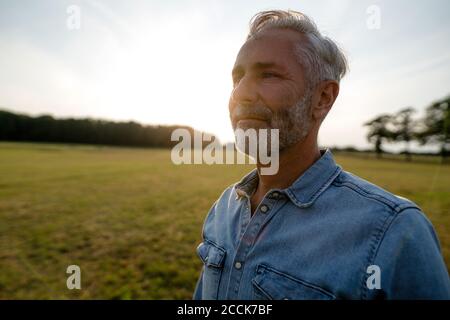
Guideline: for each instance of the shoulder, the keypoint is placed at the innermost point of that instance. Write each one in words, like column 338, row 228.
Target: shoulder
column 404, row 243
column 364, row 191
column 410, row 259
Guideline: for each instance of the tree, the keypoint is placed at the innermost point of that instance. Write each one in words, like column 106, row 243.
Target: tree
column 18, row 127
column 436, row 126
column 405, row 128
column 379, row 132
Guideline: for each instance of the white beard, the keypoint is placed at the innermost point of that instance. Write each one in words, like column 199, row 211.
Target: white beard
column 293, row 123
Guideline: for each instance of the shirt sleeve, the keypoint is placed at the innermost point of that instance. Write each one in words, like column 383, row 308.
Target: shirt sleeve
column 410, row 260
column 198, row 295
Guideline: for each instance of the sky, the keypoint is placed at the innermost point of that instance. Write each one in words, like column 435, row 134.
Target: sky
column 169, row 62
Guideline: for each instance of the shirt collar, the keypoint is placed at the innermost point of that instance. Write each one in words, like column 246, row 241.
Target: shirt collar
column 307, row 188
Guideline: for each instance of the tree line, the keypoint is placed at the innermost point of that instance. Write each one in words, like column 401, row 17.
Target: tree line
column 45, row 128
column 432, row 129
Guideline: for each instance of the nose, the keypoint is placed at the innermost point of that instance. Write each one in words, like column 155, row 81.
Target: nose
column 244, row 92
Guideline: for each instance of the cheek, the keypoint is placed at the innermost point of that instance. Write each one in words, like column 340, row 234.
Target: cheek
column 279, row 96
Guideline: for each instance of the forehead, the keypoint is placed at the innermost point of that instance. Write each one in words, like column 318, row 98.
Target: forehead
column 277, row 46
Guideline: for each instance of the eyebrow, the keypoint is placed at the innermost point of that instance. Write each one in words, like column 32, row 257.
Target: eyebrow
column 257, row 66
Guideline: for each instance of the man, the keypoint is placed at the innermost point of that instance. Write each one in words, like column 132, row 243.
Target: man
column 312, row 230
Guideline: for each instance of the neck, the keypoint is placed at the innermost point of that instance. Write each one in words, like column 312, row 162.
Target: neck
column 293, row 162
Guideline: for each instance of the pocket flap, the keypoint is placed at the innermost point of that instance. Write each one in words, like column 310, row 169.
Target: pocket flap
column 211, row 254
column 277, row 285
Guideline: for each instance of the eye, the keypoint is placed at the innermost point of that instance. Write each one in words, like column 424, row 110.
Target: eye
column 269, row 74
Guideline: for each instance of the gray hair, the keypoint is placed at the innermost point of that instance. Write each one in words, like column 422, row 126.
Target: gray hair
column 321, row 58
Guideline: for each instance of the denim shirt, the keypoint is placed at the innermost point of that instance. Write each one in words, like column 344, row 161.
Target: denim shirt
column 320, row 238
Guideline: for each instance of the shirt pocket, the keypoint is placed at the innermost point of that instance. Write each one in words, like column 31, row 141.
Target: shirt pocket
column 213, row 258
column 271, row 284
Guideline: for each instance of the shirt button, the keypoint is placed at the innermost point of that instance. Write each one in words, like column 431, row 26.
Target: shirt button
column 275, row 194
column 264, row 208
column 238, row 265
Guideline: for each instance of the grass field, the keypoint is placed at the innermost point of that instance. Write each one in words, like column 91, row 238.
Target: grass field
column 132, row 220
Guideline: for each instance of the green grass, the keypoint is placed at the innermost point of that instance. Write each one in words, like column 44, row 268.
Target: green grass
column 132, row 220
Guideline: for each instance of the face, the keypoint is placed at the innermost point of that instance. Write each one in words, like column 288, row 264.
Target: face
column 269, row 90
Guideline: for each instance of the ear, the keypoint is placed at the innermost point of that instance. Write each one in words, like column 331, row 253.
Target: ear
column 325, row 95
